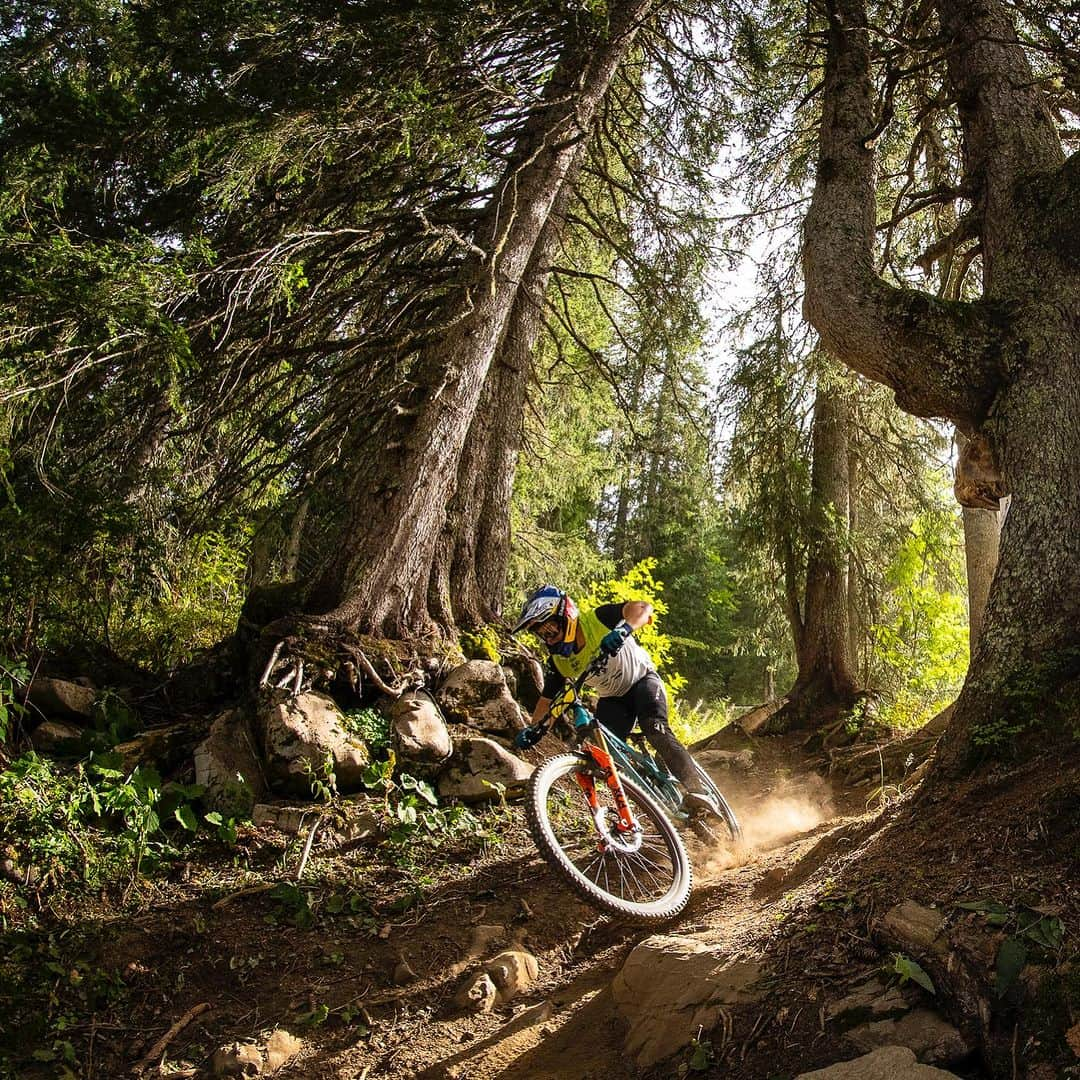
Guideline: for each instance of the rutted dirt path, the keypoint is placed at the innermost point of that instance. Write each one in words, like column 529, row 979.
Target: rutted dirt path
column 568, row 1026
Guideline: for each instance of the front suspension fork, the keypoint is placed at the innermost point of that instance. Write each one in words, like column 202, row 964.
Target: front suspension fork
column 627, row 829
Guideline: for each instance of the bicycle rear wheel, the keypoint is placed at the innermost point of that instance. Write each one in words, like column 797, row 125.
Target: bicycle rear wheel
column 716, row 828
column 645, row 877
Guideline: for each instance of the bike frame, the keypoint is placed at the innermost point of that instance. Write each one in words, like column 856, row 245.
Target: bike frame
column 609, row 754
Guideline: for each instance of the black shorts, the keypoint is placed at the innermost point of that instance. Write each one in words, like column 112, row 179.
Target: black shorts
column 645, row 702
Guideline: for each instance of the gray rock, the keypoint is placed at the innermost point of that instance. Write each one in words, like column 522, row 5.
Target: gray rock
column 418, row 730
column 281, row 1048
column 736, row 760
column 913, row 926
column 477, row 767
column 930, row 1038
column 889, row 1063
column 227, row 766
column 51, row 736
column 298, row 733
column 512, row 972
column 475, row 693
column 669, row 988
column 871, row 1000
column 58, row 697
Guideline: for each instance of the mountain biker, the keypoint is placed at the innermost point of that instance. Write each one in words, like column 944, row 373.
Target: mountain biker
column 628, row 688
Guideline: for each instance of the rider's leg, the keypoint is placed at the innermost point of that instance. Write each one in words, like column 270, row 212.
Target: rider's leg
column 651, row 708
column 616, row 714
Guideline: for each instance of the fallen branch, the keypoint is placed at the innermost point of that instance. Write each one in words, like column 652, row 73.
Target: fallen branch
column 307, row 847
column 250, row 891
column 158, row 1049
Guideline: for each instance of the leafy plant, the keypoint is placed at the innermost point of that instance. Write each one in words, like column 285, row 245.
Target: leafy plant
column 371, row 725
column 1031, row 929
column 13, row 673
column 908, row 969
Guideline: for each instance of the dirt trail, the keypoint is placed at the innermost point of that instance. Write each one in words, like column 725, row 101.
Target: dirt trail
column 568, row 1026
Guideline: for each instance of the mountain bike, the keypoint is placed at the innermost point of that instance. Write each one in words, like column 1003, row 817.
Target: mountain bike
column 605, row 815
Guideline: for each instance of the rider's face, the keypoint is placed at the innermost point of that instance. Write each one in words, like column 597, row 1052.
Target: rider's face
column 550, row 633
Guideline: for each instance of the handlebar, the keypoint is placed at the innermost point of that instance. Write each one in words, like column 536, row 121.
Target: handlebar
column 531, row 735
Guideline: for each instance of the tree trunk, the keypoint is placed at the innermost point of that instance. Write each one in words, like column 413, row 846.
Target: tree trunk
column 856, row 632
column 981, row 529
column 1007, row 367
column 469, row 572
column 825, row 685
column 378, row 580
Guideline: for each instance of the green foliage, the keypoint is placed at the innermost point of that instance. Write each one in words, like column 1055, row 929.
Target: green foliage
column 638, row 583
column 920, row 653
column 96, row 824
column 49, row 985
column 371, row 725
column 482, row 644
column 908, row 969
column 13, row 674
column 413, row 808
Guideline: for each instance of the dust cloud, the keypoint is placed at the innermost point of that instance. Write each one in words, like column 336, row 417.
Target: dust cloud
column 772, row 818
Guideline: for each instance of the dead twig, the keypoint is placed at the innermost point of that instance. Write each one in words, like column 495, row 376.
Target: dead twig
column 307, row 847
column 250, row 891
column 158, row 1049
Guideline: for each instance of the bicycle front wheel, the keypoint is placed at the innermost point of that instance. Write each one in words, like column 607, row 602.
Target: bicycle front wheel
column 645, row 877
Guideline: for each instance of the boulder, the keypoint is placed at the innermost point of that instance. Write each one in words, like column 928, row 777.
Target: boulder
column 930, row 1038
column 889, row 1063
column 499, row 981
column 528, row 678
column 418, row 730
column 58, row 697
column 237, row 1059
column 249, row 1059
column 732, row 760
column 228, row 767
column 870, row 1001
column 476, row 994
column 475, row 693
column 281, row 1048
column 298, row 733
column 913, row 927
column 670, row 988
column 55, row 736
column 512, row 972
column 163, row 747
column 476, row 769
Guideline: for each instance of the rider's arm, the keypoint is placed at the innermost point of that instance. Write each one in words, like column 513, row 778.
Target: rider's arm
column 554, row 683
column 636, row 613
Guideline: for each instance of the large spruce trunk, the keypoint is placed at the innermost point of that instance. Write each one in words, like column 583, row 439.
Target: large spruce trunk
column 1006, row 367
column 397, row 494
column 825, row 685
column 468, row 576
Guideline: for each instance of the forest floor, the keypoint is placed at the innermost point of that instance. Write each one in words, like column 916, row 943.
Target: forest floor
column 361, row 962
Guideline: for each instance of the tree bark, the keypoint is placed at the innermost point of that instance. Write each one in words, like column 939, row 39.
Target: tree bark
column 1007, row 366
column 378, row 580
column 824, row 686
column 981, row 555
column 468, row 576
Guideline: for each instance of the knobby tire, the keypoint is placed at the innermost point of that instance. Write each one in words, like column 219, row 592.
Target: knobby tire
column 667, row 844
